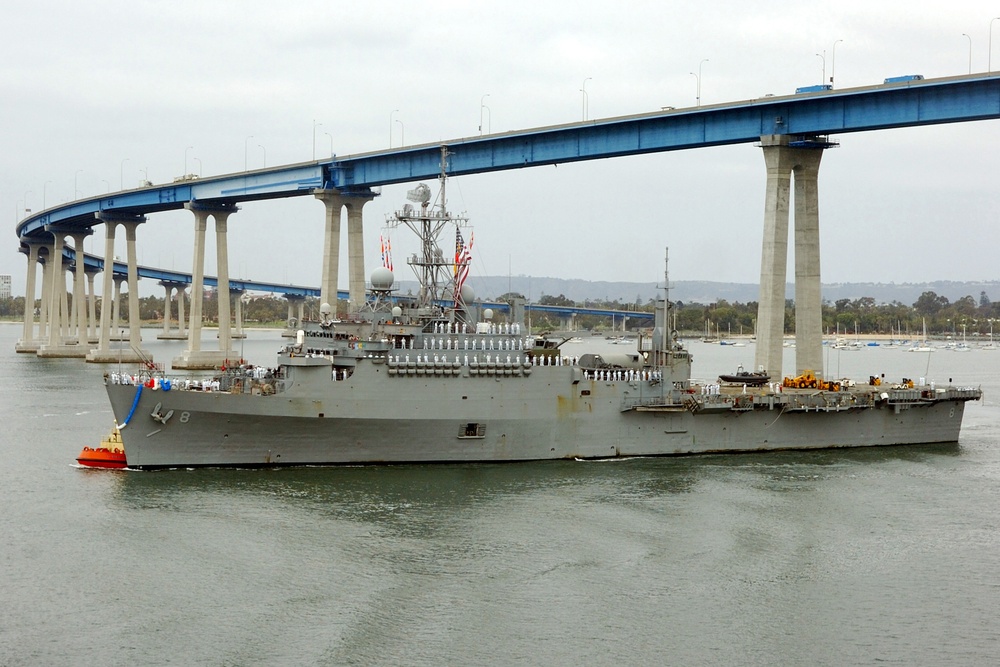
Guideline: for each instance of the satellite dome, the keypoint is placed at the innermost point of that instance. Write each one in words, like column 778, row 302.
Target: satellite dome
column 396, row 311
column 468, row 294
column 488, row 314
column 324, row 308
column 382, row 278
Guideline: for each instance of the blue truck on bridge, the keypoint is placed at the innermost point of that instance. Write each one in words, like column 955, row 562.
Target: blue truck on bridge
column 818, row 88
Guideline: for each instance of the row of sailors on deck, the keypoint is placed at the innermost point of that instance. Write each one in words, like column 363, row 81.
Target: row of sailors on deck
column 539, row 360
column 623, row 375
column 467, row 344
column 483, row 327
column 197, row 385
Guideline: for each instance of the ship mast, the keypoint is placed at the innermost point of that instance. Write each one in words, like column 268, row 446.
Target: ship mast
column 432, row 267
column 662, row 324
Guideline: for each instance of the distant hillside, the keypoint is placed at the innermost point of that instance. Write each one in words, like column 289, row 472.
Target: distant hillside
column 697, row 291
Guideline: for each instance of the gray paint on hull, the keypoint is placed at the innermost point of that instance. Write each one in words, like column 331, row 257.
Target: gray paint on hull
column 540, row 417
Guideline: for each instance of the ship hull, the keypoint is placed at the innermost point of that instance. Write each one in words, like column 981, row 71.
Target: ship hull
column 554, row 414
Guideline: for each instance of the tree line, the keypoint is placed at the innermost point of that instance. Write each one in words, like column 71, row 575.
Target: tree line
column 264, row 311
column 864, row 315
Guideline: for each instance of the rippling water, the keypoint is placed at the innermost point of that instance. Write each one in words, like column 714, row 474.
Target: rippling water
column 886, row 555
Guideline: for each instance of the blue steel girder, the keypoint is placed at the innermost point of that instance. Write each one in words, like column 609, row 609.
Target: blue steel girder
column 229, row 189
column 913, row 103
column 903, row 104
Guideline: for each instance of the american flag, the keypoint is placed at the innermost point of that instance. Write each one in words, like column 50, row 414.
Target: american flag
column 386, row 248
column 463, row 257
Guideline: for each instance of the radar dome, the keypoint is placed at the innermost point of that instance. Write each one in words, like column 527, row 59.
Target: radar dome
column 420, row 194
column 468, row 294
column 396, row 311
column 324, row 308
column 488, row 314
column 382, row 278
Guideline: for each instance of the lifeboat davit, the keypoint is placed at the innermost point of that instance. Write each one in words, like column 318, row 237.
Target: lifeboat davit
column 111, row 453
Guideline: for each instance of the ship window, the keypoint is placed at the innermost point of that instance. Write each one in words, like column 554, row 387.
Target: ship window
column 472, row 430
column 585, row 392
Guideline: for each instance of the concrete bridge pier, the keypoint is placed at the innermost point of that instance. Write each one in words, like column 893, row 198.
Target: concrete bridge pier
column 103, row 353
column 783, row 158
column 93, row 336
column 28, row 341
column 169, row 332
column 236, row 296
column 117, row 334
column 355, row 251
column 57, row 345
column 43, row 302
column 195, row 358
column 79, row 316
column 808, row 290
column 296, row 311
column 334, row 200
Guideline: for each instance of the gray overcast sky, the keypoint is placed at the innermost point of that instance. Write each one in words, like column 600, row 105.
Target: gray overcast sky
column 97, row 95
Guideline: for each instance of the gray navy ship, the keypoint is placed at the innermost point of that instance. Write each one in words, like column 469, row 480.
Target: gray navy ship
column 438, row 377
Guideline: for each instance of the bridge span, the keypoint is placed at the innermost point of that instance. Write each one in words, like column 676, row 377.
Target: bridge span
column 792, row 131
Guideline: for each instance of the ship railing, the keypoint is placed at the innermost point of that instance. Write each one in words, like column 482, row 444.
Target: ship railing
column 824, row 401
column 954, row 394
column 651, row 401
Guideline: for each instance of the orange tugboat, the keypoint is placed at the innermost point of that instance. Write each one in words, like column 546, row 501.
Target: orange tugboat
column 111, row 453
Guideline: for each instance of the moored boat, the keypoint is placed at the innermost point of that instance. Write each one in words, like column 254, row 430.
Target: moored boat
column 749, row 378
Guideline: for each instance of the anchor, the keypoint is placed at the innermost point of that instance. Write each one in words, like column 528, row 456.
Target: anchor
column 158, row 416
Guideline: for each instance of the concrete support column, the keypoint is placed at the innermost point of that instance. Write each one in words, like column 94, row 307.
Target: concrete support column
column 59, row 320
column 782, row 161
column 111, row 289
column 134, row 323
column 180, row 311
column 43, row 303
column 774, row 255
column 56, row 274
column 302, row 311
column 107, row 281
column 167, row 315
column 237, row 296
column 115, row 310
column 92, row 331
column 197, row 280
column 80, row 289
column 808, row 293
column 333, row 202
column 194, row 357
column 355, row 252
column 170, row 288
column 28, row 343
column 65, row 323
column 294, row 320
column 222, row 259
